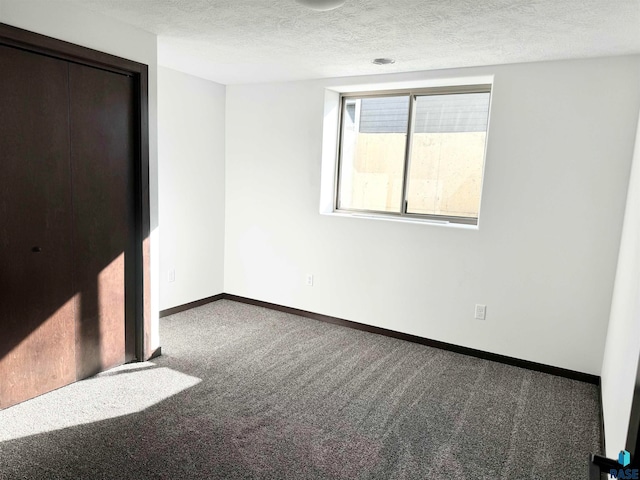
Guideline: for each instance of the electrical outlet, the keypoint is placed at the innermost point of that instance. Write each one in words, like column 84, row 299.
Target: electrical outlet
column 172, row 275
column 309, row 280
column 481, row 312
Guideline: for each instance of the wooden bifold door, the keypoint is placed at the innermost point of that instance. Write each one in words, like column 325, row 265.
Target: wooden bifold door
column 68, row 152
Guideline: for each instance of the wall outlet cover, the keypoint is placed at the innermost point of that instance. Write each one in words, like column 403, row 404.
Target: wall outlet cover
column 481, row 312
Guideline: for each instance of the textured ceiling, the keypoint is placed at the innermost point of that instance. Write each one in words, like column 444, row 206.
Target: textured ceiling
column 243, row 41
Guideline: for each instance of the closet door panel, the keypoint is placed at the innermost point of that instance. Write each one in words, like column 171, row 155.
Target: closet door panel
column 102, row 117
column 37, row 335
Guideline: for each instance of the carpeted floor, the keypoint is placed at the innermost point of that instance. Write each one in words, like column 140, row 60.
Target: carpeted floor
column 243, row 392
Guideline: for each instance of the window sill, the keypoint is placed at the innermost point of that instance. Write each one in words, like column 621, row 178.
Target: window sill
column 391, row 218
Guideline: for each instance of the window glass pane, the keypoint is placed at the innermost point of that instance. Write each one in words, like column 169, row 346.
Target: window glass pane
column 372, row 153
column 447, row 154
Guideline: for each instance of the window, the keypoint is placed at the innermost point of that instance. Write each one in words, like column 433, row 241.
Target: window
column 418, row 154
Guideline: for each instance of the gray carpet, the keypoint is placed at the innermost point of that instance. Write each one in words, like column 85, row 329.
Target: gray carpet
column 242, row 392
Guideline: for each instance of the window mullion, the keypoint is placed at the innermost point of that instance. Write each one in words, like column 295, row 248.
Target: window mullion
column 407, row 154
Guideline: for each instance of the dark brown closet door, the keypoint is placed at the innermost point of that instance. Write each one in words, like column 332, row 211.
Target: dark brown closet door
column 102, row 119
column 37, row 336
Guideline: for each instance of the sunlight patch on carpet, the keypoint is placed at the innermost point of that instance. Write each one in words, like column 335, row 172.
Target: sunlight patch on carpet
column 117, row 392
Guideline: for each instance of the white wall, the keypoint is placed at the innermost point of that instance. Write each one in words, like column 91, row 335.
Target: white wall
column 623, row 338
column 191, row 177
column 82, row 27
column 543, row 260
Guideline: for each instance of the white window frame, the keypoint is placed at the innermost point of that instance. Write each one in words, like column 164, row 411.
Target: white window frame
column 402, row 214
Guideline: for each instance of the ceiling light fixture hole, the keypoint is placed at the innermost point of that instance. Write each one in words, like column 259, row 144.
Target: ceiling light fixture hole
column 383, row 61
